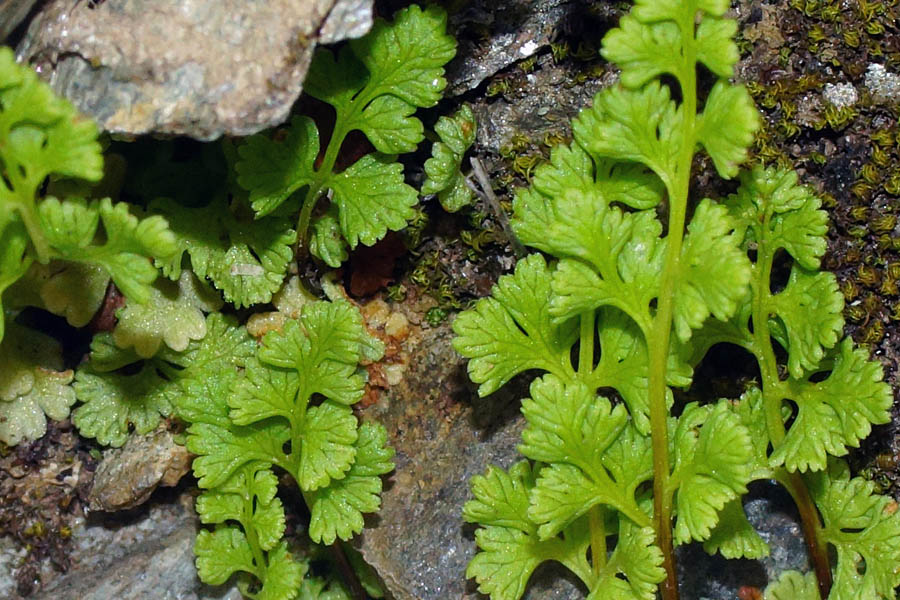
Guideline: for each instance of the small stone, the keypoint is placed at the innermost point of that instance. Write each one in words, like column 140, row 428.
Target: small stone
column 397, row 326
column 128, row 475
column 393, row 373
column 292, row 297
column 260, row 324
column 808, row 110
column 202, row 68
column 376, row 313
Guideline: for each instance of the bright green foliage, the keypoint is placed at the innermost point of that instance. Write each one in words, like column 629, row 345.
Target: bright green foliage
column 88, row 242
column 374, row 84
column 655, row 303
column 826, row 422
column 863, row 528
column 272, row 171
column 511, row 546
column 793, row 586
column 69, row 289
column 711, row 467
column 502, row 343
column 570, row 429
column 734, row 536
column 245, row 259
column 594, row 208
column 317, row 588
column 638, row 126
column 809, row 309
column 714, row 272
column 32, row 385
column 250, row 521
column 113, row 401
column 43, row 135
column 337, row 510
column 71, row 226
column 325, row 238
column 634, row 567
column 836, row 411
column 290, row 407
column 217, row 236
column 174, row 315
column 444, row 176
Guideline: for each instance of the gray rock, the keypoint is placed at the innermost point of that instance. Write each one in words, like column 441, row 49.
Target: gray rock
column 771, row 512
column 200, row 68
column 418, row 542
column 12, row 13
column 128, row 475
column 348, row 19
column 146, row 557
column 517, row 29
column 546, row 108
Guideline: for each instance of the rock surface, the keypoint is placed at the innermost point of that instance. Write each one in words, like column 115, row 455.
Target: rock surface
column 418, row 542
column 201, row 68
column 516, row 30
column 128, row 475
column 12, row 13
column 148, row 556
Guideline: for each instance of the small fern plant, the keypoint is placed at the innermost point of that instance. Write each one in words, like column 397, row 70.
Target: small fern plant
column 630, row 304
column 285, row 404
column 374, row 84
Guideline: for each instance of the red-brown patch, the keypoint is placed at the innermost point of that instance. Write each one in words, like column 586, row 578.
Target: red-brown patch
column 372, row 268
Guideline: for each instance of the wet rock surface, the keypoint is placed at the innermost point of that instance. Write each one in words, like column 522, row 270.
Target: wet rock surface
column 771, row 512
column 200, row 68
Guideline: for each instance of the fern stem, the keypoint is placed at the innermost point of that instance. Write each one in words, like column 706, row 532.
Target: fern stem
column 348, row 574
column 812, row 528
column 250, row 533
column 585, row 368
column 586, row 345
column 658, row 345
column 309, row 202
column 598, row 540
column 314, row 192
column 678, row 187
column 339, row 555
column 30, row 220
column 768, row 366
column 773, row 396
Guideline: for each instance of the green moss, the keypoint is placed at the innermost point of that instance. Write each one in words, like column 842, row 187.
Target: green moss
column 435, row 316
